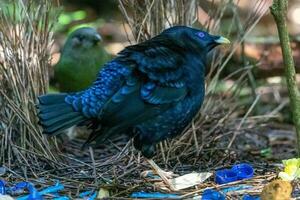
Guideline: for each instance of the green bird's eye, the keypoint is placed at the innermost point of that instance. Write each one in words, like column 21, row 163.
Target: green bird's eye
column 80, row 37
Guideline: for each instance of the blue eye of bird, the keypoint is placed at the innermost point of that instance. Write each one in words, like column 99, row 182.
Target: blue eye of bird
column 201, row 34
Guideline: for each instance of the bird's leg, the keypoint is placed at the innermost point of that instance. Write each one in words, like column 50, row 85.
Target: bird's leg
column 165, row 176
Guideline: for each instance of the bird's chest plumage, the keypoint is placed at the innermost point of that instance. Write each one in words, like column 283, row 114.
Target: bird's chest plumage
column 173, row 121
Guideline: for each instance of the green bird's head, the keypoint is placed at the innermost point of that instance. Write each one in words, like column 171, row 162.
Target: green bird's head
column 84, row 41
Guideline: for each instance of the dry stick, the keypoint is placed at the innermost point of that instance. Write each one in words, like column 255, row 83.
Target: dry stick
column 93, row 163
column 243, row 120
column 279, row 11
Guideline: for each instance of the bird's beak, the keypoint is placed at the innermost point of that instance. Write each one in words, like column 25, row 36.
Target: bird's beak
column 97, row 38
column 222, row 40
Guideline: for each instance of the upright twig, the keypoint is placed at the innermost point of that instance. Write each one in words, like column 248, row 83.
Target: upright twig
column 25, row 42
column 279, row 12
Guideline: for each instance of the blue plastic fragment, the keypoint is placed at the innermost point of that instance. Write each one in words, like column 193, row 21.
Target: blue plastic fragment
column 52, row 189
column 153, row 195
column 93, row 196
column 236, row 188
column 249, row 197
column 237, row 172
column 87, row 193
column 19, row 186
column 2, row 187
column 151, row 175
column 210, row 194
column 62, row 198
column 84, row 194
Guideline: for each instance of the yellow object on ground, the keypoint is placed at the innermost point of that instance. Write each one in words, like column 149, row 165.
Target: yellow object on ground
column 277, row 190
column 291, row 169
column 103, row 193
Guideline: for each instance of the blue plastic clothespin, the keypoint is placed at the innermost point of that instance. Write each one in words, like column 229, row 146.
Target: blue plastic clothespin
column 34, row 194
column 237, row 172
column 52, row 189
column 210, row 194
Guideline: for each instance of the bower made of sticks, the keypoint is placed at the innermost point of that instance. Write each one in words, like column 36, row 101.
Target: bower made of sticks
column 25, row 39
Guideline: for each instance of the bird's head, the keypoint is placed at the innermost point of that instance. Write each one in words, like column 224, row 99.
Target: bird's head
column 192, row 39
column 85, row 38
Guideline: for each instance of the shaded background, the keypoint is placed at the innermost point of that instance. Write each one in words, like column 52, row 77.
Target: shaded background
column 261, row 46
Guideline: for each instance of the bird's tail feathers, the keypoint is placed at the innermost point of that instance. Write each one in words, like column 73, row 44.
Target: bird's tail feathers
column 55, row 115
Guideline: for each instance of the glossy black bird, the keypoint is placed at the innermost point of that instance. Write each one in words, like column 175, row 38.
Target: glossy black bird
column 150, row 91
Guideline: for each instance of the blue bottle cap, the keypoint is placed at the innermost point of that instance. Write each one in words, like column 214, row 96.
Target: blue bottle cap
column 243, row 171
column 225, row 176
column 2, row 187
column 210, row 194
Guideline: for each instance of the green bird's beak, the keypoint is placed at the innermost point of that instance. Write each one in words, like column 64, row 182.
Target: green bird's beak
column 97, row 38
column 222, row 40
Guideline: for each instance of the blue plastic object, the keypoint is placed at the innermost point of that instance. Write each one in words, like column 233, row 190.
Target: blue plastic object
column 154, row 195
column 34, row 194
column 85, row 194
column 52, row 189
column 243, row 171
column 2, row 187
column 249, row 197
column 88, row 195
column 236, row 188
column 237, row 172
column 210, row 194
column 62, row 198
column 93, row 196
column 225, row 176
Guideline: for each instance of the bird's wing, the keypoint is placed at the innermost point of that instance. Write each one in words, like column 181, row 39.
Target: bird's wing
column 155, row 83
column 162, row 71
column 110, row 80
